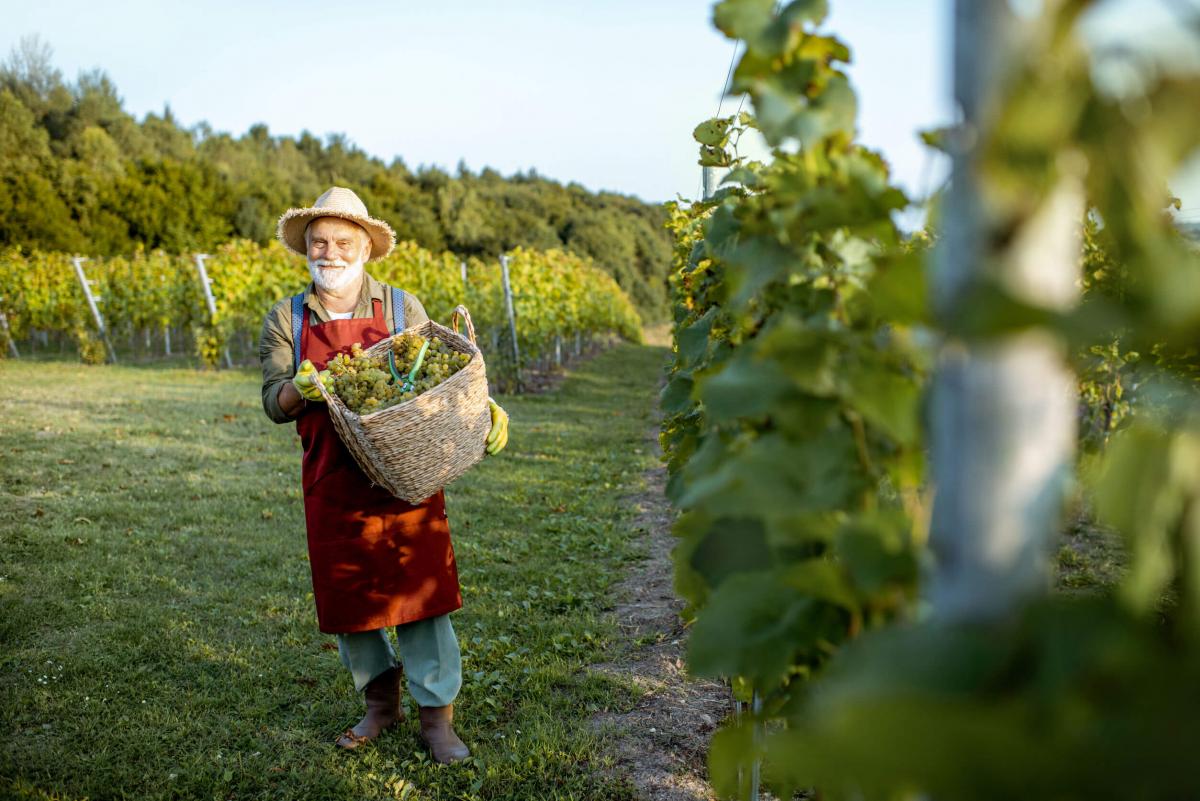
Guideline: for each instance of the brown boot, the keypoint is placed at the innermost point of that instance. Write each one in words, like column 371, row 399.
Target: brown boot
column 382, row 695
column 439, row 735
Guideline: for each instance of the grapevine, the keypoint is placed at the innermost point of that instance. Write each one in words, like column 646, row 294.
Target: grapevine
column 791, row 429
column 558, row 295
column 793, row 437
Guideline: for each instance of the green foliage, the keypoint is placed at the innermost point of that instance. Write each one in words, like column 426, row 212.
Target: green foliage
column 1074, row 697
column 78, row 173
column 795, row 452
column 1118, row 382
column 792, row 434
column 1107, row 373
column 558, row 296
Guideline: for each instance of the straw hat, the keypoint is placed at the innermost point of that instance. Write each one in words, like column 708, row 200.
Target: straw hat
column 336, row 202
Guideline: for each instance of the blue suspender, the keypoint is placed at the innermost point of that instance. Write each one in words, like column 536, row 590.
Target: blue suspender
column 298, row 321
column 397, row 310
column 297, row 324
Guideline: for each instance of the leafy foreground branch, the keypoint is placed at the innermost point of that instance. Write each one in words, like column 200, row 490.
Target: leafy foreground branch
column 797, row 430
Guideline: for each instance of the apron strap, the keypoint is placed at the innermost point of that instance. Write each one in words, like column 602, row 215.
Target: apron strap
column 397, row 310
column 298, row 321
column 297, row 325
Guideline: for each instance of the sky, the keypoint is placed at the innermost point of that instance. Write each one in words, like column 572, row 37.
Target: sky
column 601, row 92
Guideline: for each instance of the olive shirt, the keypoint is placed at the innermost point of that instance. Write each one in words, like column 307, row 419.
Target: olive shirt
column 275, row 342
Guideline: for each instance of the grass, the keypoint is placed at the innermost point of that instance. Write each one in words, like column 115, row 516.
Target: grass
column 156, row 620
column 1090, row 557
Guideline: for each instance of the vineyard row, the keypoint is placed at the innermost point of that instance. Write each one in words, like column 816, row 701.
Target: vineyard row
column 561, row 302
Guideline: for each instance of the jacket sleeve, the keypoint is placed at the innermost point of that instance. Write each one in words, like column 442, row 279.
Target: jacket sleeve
column 275, row 353
column 414, row 312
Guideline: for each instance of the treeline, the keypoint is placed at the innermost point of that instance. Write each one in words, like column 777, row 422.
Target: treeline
column 80, row 174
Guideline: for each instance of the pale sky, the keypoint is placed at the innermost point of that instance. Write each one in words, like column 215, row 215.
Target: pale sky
column 602, row 93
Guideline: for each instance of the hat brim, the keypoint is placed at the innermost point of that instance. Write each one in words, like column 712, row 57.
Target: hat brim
column 294, row 221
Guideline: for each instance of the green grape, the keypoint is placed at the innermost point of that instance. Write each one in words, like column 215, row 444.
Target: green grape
column 365, row 384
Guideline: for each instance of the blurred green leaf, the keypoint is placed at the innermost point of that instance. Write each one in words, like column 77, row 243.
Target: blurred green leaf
column 730, row 756
column 742, row 19
column 755, row 624
column 692, row 341
column 713, row 133
column 731, row 545
column 877, row 551
column 899, row 290
column 677, row 394
column 744, row 387
column 887, row 400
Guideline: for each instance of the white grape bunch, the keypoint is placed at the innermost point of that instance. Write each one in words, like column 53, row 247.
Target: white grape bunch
column 365, row 383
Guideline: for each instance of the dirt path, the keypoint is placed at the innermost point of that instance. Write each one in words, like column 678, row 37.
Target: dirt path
column 662, row 744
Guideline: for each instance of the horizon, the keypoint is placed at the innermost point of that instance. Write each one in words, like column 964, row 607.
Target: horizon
column 142, row 48
column 604, row 97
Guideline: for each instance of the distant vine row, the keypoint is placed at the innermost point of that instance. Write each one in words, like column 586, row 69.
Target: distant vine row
column 560, row 299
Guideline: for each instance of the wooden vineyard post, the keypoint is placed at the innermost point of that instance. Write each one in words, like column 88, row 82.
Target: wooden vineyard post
column 206, row 283
column 512, row 320
column 462, row 264
column 12, row 346
column 1002, row 410
column 166, row 329
column 77, row 263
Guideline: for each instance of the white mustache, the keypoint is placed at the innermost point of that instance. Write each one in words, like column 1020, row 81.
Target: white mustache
column 333, row 274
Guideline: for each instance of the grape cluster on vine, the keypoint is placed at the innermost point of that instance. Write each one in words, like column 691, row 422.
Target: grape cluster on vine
column 365, row 382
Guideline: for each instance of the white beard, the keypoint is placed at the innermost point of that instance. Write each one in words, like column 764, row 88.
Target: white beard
column 331, row 280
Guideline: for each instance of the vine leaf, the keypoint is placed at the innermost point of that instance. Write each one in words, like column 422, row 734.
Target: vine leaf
column 886, row 400
column 755, row 623
column 713, row 133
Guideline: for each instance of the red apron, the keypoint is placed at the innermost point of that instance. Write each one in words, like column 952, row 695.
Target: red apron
column 376, row 560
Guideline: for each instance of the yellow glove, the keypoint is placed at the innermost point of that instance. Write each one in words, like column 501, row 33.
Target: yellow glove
column 305, row 381
column 497, row 438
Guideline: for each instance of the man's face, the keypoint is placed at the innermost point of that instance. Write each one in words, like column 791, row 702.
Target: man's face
column 337, row 249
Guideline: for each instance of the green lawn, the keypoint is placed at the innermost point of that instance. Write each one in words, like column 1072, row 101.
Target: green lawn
column 1090, row 558
column 157, row 633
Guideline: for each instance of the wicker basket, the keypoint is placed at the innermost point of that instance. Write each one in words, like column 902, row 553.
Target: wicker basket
column 417, row 447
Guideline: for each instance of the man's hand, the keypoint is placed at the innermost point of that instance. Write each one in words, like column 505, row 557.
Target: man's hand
column 497, row 438
column 305, row 381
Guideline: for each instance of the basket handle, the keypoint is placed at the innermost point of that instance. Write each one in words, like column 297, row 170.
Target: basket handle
column 460, row 312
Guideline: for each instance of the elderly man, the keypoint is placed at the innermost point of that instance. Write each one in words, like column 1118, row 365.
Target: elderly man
column 359, row 594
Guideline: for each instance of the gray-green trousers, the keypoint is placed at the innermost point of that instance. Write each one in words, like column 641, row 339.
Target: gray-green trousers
column 428, row 649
